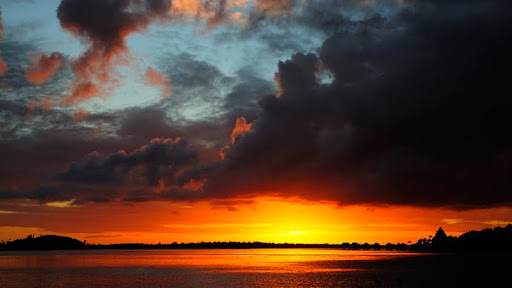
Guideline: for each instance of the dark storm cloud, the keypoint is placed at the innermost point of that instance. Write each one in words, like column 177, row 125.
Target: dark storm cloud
column 161, row 158
column 418, row 116
column 150, row 172
column 37, row 143
column 31, row 156
column 118, row 19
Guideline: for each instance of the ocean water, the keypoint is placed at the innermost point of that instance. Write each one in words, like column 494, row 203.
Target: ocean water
column 251, row 268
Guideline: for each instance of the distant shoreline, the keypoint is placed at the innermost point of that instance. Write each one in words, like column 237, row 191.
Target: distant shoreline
column 498, row 239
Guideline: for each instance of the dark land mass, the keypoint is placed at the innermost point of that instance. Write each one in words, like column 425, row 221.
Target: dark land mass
column 45, row 242
column 497, row 239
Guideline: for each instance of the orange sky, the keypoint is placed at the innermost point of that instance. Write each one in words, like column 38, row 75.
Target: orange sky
column 264, row 219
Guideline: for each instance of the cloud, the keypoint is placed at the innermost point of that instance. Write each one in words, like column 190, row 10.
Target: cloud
column 415, row 115
column 161, row 158
column 241, row 128
column 106, row 39
column 158, row 79
column 413, row 118
column 104, row 26
column 48, row 140
column 44, row 67
column 45, row 103
column 3, row 66
column 218, row 226
column 451, row 221
column 274, row 7
column 244, row 96
column 488, row 222
column 498, row 222
column 219, row 9
column 150, row 172
column 212, row 12
column 145, row 122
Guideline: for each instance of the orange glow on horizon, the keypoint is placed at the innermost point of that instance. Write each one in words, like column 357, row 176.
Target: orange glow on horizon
column 263, row 219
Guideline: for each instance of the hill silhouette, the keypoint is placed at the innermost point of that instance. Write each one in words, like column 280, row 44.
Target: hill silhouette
column 44, row 242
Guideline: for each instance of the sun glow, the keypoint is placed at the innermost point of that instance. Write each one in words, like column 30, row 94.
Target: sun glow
column 265, row 219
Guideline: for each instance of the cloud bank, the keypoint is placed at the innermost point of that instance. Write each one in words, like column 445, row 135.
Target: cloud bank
column 416, row 113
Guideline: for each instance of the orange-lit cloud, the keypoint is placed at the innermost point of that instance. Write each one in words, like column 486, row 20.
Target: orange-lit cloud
column 79, row 115
column 44, row 68
column 45, row 103
column 241, row 128
column 158, row 79
column 194, row 185
column 237, row 16
column 191, row 7
column 224, row 151
column 213, row 12
column 92, row 73
column 274, row 7
column 3, row 65
column 277, row 80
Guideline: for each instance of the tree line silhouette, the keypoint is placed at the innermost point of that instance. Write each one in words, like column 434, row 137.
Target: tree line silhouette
column 495, row 239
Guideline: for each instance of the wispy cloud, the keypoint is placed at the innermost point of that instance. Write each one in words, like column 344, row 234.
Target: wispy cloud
column 218, row 225
column 453, row 221
column 450, row 221
column 8, row 212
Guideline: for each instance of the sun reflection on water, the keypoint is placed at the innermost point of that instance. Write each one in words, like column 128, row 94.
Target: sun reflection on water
column 233, row 261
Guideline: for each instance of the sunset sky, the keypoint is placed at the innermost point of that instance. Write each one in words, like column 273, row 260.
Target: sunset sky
column 323, row 121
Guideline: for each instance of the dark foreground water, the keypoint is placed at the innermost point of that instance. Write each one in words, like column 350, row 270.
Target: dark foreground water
column 251, row 268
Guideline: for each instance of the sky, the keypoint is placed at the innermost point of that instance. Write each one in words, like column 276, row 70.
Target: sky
column 294, row 121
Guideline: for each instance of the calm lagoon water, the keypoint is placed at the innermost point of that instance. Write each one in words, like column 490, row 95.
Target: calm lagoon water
column 249, row 268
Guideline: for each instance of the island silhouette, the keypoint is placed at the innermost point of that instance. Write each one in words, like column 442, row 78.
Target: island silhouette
column 491, row 239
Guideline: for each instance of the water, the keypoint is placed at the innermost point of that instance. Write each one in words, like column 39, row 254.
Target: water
column 248, row 268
